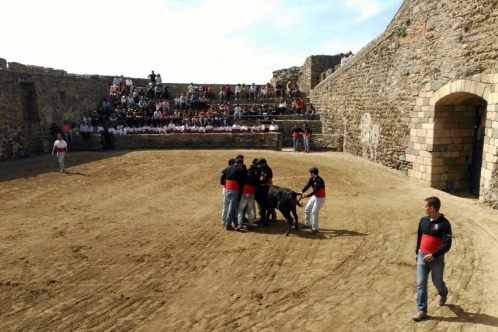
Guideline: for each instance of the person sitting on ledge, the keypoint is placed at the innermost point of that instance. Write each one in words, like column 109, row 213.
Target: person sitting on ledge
column 300, row 106
column 202, row 129
column 254, row 129
column 310, row 112
column 295, row 89
column 171, row 127
column 243, row 128
column 235, row 128
column 273, row 127
column 85, row 131
column 68, row 134
column 262, row 127
column 209, row 128
column 194, row 129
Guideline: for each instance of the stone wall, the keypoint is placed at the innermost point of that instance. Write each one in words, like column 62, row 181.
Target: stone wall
column 266, row 141
column 312, row 69
column 283, row 76
column 385, row 101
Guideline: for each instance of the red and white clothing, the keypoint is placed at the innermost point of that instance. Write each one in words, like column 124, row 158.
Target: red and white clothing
column 209, row 129
column 243, row 129
column 100, row 130
column 235, row 129
column 254, row 129
column 273, row 128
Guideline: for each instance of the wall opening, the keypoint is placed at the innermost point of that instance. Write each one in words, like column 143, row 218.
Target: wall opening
column 29, row 105
column 457, row 151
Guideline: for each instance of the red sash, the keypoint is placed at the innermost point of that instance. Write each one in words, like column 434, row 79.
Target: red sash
column 248, row 190
column 61, row 149
column 231, row 185
column 429, row 243
column 320, row 193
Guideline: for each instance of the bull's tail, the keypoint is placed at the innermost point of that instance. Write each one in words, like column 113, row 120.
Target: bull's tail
column 298, row 202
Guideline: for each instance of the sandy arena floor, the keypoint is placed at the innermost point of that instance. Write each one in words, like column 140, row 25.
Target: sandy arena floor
column 132, row 241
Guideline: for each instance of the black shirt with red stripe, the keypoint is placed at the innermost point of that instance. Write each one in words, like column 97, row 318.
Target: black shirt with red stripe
column 250, row 184
column 439, row 228
column 318, row 186
column 266, row 175
column 296, row 131
column 233, row 176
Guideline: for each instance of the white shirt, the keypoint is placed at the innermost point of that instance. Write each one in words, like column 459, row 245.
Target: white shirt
column 274, row 127
column 243, row 128
column 84, row 128
column 129, row 82
column 343, row 61
column 171, row 126
column 254, row 128
column 111, row 130
column 262, row 127
column 236, row 126
column 238, row 109
column 60, row 144
column 209, row 127
column 100, row 129
column 116, row 81
column 283, row 104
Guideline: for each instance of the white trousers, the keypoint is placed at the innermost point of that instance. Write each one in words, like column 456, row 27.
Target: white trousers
column 313, row 207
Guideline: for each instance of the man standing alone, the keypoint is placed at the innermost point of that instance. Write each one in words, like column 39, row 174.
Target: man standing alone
column 295, row 136
column 433, row 241
column 316, row 202
column 61, row 146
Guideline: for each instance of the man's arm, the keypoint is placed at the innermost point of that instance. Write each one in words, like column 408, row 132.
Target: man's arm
column 447, row 240
column 307, row 186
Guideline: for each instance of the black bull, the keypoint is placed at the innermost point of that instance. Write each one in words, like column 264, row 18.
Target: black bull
column 285, row 200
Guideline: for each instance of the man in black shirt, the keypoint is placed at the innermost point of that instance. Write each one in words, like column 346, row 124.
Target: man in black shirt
column 266, row 177
column 224, row 211
column 233, row 178
column 434, row 239
column 316, row 202
column 152, row 78
column 248, row 197
column 295, row 136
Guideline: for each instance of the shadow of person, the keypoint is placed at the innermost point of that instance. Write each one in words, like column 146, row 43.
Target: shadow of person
column 279, row 227
column 73, row 173
column 463, row 316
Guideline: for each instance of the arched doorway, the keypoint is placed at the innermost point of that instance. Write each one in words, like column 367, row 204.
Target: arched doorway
column 457, row 151
column 453, row 141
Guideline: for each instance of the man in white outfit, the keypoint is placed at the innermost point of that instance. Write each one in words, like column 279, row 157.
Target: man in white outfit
column 316, row 202
column 61, row 146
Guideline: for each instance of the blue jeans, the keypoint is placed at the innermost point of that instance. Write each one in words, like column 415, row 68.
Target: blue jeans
column 232, row 197
column 246, row 200
column 306, row 141
column 225, row 208
column 60, row 156
column 69, row 137
column 313, row 207
column 423, row 269
column 296, row 143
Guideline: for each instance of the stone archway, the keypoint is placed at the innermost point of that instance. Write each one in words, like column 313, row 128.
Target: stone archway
column 451, row 127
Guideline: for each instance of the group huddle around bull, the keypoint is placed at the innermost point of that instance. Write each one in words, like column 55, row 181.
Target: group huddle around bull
column 244, row 188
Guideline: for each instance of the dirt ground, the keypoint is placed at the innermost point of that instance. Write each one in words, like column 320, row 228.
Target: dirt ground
column 132, row 241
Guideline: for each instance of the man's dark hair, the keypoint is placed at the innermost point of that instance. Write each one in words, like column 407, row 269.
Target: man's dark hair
column 231, row 162
column 434, row 202
column 261, row 161
column 313, row 170
column 255, row 161
column 239, row 156
column 239, row 161
column 252, row 168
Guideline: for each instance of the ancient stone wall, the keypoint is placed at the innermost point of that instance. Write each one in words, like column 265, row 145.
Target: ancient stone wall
column 283, row 76
column 312, row 69
column 383, row 101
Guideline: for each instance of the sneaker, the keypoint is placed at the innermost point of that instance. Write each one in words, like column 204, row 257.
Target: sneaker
column 238, row 228
column 314, row 231
column 250, row 228
column 419, row 316
column 229, row 228
column 305, row 227
column 442, row 300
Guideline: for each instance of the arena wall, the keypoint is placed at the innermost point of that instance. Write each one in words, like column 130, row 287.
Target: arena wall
column 422, row 97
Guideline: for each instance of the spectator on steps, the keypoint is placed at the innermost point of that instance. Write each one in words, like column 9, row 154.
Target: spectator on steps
column 282, row 105
column 152, row 78
column 68, row 134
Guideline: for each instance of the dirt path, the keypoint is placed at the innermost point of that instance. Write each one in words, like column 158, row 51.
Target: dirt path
column 133, row 241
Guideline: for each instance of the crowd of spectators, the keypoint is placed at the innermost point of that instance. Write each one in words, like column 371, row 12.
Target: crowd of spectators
column 132, row 110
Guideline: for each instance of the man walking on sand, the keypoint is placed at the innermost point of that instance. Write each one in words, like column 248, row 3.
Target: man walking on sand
column 433, row 241
column 61, row 146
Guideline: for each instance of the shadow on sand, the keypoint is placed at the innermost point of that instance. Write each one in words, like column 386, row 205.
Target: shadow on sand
column 463, row 316
column 279, row 227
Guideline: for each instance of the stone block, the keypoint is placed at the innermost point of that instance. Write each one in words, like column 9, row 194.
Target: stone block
column 441, row 132
column 421, row 133
column 440, row 169
column 431, row 177
column 436, row 85
column 490, row 165
column 446, row 90
column 411, row 158
column 457, row 169
column 438, row 185
column 450, row 161
column 480, row 89
column 453, row 87
column 417, row 175
column 473, row 87
column 488, row 157
column 467, row 85
column 486, row 174
column 489, row 78
column 411, row 173
column 437, row 161
column 486, row 95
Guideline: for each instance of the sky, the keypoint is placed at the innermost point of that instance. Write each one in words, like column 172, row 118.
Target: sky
column 208, row 41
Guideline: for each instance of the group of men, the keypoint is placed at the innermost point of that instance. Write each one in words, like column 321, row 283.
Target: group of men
column 239, row 193
column 345, row 57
